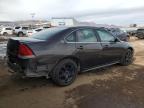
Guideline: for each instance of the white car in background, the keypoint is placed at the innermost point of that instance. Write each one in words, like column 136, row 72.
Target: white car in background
column 21, row 30
column 5, row 31
column 31, row 32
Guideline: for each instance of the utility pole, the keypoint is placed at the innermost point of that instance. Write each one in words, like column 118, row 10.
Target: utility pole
column 32, row 15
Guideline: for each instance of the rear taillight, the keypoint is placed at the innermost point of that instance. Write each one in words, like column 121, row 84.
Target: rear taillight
column 25, row 51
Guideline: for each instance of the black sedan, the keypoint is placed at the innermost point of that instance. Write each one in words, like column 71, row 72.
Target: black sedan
column 61, row 52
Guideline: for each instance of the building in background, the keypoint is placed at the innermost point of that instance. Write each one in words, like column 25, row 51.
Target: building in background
column 63, row 21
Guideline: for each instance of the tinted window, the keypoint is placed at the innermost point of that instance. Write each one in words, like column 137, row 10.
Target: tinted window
column 17, row 27
column 105, row 36
column 8, row 28
column 71, row 37
column 25, row 28
column 48, row 33
column 46, row 27
column 86, row 35
column 140, row 30
column 38, row 30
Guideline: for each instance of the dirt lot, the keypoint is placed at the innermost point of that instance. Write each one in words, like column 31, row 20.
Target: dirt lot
column 112, row 87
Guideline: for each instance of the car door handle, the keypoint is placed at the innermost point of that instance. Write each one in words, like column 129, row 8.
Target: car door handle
column 80, row 47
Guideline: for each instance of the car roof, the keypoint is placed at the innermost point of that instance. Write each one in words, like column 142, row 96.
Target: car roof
column 85, row 27
column 78, row 27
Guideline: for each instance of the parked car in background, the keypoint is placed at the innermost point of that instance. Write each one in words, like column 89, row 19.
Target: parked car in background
column 61, row 52
column 132, row 32
column 33, row 31
column 20, row 30
column 5, row 31
column 122, row 35
column 140, row 33
column 45, row 27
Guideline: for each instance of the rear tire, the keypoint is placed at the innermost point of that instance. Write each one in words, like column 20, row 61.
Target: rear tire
column 65, row 72
column 127, row 59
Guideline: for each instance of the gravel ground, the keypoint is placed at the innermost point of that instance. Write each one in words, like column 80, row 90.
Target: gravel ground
column 111, row 87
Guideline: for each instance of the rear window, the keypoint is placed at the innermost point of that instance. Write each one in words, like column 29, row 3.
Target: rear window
column 140, row 30
column 8, row 28
column 25, row 28
column 48, row 33
column 17, row 27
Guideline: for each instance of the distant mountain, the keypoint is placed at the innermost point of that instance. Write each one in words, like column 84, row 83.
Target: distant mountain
column 33, row 22
column 6, row 23
column 25, row 22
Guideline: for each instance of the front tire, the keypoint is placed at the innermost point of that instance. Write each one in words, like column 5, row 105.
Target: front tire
column 65, row 72
column 127, row 59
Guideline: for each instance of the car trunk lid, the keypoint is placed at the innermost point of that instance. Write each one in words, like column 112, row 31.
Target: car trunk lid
column 13, row 46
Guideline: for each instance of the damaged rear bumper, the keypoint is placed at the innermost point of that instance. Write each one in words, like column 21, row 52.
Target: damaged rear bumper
column 28, row 69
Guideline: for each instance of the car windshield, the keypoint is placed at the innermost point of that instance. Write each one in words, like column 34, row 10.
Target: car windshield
column 140, row 29
column 48, row 33
column 25, row 28
column 17, row 27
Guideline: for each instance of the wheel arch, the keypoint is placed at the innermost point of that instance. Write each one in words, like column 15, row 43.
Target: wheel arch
column 74, row 58
column 131, row 49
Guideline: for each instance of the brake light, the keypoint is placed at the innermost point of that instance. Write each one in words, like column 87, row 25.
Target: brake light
column 25, row 51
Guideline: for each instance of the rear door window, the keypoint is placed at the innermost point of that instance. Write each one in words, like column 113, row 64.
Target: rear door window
column 71, row 37
column 86, row 35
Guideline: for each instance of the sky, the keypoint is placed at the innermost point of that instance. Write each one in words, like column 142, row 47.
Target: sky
column 99, row 11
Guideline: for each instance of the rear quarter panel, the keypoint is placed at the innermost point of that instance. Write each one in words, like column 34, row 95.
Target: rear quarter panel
column 51, row 53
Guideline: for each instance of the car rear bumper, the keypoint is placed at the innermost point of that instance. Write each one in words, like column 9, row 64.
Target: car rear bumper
column 30, row 69
column 15, row 68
